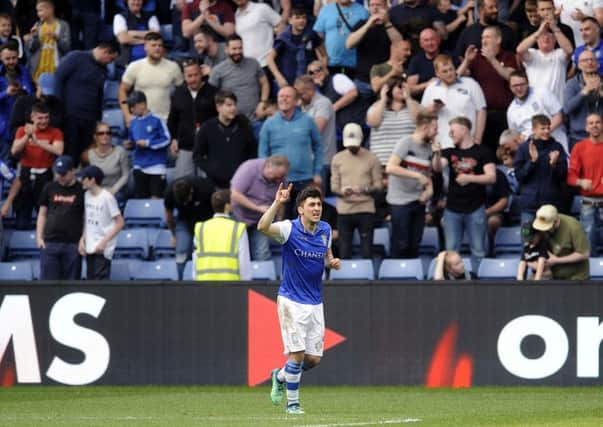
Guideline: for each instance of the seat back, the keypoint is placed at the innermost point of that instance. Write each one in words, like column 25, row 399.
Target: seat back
column 23, row 244
column 498, row 269
column 20, row 270
column 163, row 269
column 401, row 269
column 354, row 269
column 263, row 270
column 144, row 213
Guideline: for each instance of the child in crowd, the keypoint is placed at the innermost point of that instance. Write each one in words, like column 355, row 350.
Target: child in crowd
column 103, row 221
column 149, row 137
column 534, row 255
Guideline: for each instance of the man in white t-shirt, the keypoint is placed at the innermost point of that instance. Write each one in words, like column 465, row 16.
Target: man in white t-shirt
column 103, row 221
column 546, row 66
column 154, row 75
column 451, row 96
column 255, row 23
column 530, row 101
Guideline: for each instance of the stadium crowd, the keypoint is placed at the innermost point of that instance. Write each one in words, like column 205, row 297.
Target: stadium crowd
column 463, row 117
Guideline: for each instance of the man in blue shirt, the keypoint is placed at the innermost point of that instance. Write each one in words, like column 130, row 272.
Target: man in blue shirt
column 306, row 245
column 334, row 24
column 293, row 134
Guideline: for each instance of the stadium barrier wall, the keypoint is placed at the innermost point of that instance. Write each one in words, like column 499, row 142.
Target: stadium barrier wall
column 378, row 333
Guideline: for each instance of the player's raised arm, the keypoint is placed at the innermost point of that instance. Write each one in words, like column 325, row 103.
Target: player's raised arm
column 265, row 223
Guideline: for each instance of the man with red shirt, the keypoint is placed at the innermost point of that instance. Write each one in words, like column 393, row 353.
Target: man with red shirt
column 586, row 172
column 37, row 144
column 491, row 68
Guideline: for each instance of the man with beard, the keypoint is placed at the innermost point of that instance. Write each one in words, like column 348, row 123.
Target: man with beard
column 192, row 104
column 14, row 81
column 355, row 176
column 243, row 76
column 488, row 16
column 153, row 75
column 586, row 172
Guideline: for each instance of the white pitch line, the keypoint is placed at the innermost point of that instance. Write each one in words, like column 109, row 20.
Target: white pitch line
column 384, row 422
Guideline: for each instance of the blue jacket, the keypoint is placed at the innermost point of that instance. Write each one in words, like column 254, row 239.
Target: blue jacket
column 539, row 183
column 154, row 131
column 297, row 139
column 7, row 102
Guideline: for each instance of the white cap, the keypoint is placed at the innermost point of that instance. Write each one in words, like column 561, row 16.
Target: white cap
column 352, row 135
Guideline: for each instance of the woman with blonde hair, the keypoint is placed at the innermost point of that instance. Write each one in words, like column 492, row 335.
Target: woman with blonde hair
column 111, row 159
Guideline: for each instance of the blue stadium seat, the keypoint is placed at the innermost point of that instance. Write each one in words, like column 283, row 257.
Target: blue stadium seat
column 132, row 243
column 381, row 241
column 167, row 32
column 431, row 269
column 188, row 270
column 110, row 94
column 430, row 242
column 401, row 269
column 354, row 269
column 596, row 268
column 163, row 269
column 120, row 270
column 144, row 213
column 162, row 244
column 263, row 270
column 115, row 119
column 498, row 269
column 16, row 271
column 508, row 241
column 23, row 244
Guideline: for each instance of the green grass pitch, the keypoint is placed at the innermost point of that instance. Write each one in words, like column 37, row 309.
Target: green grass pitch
column 325, row 406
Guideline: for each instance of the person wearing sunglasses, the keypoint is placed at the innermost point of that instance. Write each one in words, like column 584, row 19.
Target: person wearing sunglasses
column 111, row 159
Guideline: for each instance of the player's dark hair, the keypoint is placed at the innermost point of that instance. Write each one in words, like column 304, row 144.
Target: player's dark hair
column 219, row 200
column 306, row 193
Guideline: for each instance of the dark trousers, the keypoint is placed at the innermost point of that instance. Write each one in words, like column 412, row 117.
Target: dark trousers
column 408, row 222
column 28, row 196
column 346, row 224
column 78, row 136
column 97, row 267
column 496, row 123
column 60, row 261
column 85, row 30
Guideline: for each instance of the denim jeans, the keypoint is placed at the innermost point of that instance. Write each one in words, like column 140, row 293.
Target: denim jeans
column 475, row 223
column 408, row 222
column 346, row 224
column 259, row 244
column 184, row 244
column 60, row 261
column 591, row 218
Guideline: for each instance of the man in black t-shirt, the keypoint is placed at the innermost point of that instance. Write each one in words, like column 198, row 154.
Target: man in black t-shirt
column 191, row 196
column 60, row 224
column 470, row 168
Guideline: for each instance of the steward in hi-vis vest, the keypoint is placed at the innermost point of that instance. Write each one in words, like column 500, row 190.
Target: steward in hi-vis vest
column 221, row 245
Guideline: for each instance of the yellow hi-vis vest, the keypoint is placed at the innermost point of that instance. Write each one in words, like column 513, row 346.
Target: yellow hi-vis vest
column 217, row 252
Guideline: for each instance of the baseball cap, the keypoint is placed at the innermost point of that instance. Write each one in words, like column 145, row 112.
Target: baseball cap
column 62, row 165
column 546, row 216
column 92, row 171
column 352, row 135
column 46, row 83
column 136, row 97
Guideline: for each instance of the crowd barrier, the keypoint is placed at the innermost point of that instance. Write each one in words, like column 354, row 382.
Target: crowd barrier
column 378, row 333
